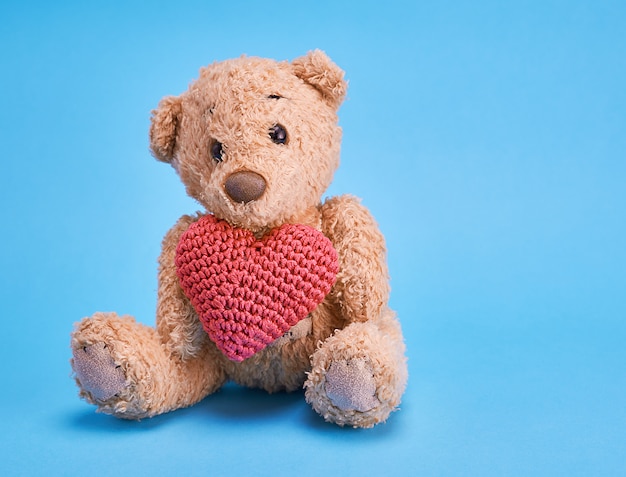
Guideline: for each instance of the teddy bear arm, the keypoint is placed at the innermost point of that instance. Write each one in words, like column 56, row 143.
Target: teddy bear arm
column 362, row 286
column 177, row 322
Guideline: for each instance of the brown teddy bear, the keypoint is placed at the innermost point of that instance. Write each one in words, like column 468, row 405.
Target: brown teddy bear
column 270, row 288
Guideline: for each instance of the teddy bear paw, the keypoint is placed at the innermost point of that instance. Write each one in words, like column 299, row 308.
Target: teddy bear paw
column 96, row 371
column 350, row 385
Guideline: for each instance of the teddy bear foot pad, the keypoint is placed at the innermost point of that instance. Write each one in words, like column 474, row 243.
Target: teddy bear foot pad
column 97, row 372
column 350, row 385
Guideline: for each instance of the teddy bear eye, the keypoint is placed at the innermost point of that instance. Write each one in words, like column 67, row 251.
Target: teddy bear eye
column 217, row 151
column 278, row 134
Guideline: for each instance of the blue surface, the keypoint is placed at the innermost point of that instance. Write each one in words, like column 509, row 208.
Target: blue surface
column 488, row 138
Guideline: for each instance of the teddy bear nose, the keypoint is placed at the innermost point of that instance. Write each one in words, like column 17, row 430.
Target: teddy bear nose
column 245, row 186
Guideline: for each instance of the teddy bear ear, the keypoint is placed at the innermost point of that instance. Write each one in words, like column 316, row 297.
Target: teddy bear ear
column 317, row 69
column 163, row 127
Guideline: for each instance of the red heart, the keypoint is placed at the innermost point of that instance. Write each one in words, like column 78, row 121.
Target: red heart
column 249, row 292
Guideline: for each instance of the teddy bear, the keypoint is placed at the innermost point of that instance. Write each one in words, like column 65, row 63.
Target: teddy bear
column 270, row 286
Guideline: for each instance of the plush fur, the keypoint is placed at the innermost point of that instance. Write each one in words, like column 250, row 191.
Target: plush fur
column 348, row 353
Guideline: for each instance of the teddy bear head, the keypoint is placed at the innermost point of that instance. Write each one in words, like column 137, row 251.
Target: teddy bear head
column 255, row 141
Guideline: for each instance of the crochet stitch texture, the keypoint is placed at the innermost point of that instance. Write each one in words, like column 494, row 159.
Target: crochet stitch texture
column 248, row 292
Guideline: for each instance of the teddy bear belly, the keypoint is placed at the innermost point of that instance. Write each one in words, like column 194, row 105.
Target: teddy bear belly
column 279, row 367
column 283, row 365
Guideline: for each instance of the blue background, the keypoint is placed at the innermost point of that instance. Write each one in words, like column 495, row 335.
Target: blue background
column 489, row 140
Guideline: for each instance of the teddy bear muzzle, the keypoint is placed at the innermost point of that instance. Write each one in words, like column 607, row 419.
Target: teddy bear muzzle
column 245, row 186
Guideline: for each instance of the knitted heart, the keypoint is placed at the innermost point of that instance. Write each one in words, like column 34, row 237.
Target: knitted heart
column 249, row 292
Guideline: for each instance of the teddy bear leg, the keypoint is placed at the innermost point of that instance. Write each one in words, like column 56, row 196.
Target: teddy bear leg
column 123, row 367
column 359, row 374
